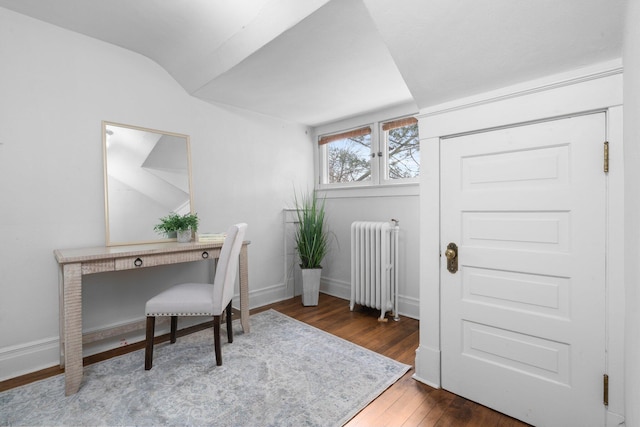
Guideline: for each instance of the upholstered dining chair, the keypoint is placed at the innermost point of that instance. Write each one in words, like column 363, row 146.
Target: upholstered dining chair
column 200, row 299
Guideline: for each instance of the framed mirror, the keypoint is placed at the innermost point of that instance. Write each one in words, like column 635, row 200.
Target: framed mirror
column 147, row 175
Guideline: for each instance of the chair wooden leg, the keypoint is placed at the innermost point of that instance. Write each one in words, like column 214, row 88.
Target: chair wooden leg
column 174, row 328
column 148, row 353
column 229, row 323
column 216, row 339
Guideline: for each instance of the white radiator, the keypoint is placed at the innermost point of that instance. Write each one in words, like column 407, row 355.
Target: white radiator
column 374, row 261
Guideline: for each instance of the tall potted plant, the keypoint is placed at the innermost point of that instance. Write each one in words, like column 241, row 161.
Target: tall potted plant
column 311, row 243
column 183, row 225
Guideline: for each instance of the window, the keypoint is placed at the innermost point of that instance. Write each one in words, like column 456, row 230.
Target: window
column 381, row 153
column 402, row 148
column 348, row 156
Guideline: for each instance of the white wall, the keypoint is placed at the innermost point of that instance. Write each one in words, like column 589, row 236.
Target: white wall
column 56, row 87
column 631, row 60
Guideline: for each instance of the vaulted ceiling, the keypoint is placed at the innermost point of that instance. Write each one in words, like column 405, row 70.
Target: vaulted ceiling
column 316, row 61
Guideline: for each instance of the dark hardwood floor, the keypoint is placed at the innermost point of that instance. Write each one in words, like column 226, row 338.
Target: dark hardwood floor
column 406, row 403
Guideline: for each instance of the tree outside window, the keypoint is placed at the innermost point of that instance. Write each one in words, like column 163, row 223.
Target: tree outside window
column 360, row 156
column 349, row 159
column 403, row 151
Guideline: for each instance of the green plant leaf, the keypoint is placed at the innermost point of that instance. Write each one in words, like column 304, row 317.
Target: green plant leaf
column 311, row 236
column 175, row 222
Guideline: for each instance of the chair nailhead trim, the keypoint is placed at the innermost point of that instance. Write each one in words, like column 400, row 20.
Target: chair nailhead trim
column 179, row 314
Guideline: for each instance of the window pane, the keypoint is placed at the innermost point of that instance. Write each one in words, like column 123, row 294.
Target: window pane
column 350, row 159
column 404, row 152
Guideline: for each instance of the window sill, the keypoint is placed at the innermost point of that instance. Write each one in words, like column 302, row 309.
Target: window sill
column 389, row 190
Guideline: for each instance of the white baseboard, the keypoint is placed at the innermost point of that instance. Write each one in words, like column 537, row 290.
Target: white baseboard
column 29, row 357
column 264, row 296
column 336, row 288
column 409, row 307
column 428, row 366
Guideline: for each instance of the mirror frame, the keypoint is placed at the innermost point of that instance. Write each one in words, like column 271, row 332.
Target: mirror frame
column 108, row 240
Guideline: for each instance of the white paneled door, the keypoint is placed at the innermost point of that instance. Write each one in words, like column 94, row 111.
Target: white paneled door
column 523, row 318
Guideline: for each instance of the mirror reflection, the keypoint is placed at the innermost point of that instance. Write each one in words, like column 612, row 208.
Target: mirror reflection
column 147, row 176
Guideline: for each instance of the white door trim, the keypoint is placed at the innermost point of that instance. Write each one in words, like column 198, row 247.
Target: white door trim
column 599, row 92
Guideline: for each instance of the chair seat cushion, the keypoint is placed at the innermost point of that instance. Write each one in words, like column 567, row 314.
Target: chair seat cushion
column 186, row 299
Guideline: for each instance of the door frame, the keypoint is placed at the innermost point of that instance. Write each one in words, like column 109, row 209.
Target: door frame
column 593, row 89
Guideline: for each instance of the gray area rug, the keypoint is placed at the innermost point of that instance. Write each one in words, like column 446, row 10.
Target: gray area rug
column 283, row 373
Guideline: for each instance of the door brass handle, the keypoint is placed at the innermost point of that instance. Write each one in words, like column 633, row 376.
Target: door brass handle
column 450, row 254
column 452, row 257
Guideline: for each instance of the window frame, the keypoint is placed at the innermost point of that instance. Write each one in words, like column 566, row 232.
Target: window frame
column 378, row 161
column 323, row 155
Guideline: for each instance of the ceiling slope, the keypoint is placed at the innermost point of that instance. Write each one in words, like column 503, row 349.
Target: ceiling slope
column 448, row 49
column 331, row 65
column 317, row 61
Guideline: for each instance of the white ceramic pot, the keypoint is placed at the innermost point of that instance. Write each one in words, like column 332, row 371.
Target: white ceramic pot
column 310, row 286
column 184, row 236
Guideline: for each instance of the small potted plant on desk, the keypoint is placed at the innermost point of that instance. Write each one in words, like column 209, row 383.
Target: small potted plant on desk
column 183, row 225
column 311, row 243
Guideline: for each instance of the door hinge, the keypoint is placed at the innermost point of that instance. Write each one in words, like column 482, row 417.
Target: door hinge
column 605, row 389
column 606, row 156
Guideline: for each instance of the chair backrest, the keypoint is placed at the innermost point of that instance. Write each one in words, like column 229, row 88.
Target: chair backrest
column 227, row 267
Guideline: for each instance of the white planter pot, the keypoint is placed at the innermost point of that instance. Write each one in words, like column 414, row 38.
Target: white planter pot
column 184, row 236
column 310, row 286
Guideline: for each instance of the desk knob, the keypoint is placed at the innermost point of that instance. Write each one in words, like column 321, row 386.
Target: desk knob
column 137, row 262
column 205, row 255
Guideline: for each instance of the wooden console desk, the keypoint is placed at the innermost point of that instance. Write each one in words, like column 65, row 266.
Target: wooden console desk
column 75, row 263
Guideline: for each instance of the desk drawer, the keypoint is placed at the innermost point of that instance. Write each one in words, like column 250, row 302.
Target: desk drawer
column 165, row 259
column 91, row 267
